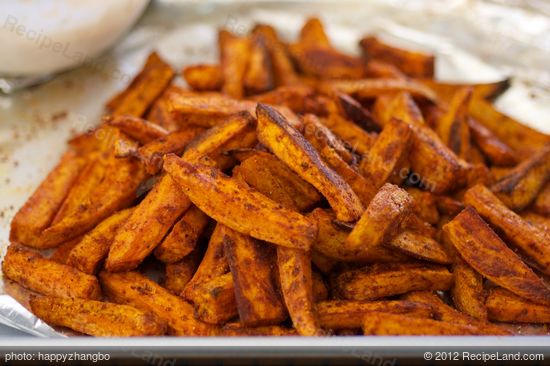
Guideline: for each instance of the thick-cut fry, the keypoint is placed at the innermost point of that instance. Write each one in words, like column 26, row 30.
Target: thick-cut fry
column 356, row 139
column 183, row 237
column 412, row 63
column 452, row 127
column 320, row 135
column 250, row 212
column 42, row 206
column 528, row 238
column 424, row 205
column 297, row 287
column 270, row 176
column 214, row 300
column 177, row 275
column 251, row 263
column 237, row 330
column 94, row 246
column 387, row 324
column 313, row 34
column 542, row 203
column 259, row 75
column 62, row 252
column 144, row 89
column 96, row 318
column 139, row 129
column 468, row 293
column 381, row 220
column 203, row 77
column 47, row 277
column 504, row 306
column 482, row 249
column 488, row 91
column 381, row 280
column 160, row 112
column 420, row 246
column 294, row 150
column 354, row 111
column 299, row 98
column 387, row 153
column 320, row 290
column 371, row 88
column 520, row 186
column 496, row 151
column 133, row 289
column 380, row 69
column 234, row 59
column 345, row 314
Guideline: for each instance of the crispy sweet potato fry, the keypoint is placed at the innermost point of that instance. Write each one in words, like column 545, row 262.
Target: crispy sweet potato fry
column 62, row 252
column 133, row 289
column 420, row 246
column 47, row 277
column 297, row 287
column 468, row 293
column 139, row 129
column 234, row 60
column 520, row 186
column 160, row 112
column 346, row 314
column 356, row 139
column 381, row 220
column 270, row 176
column 258, row 301
column 371, row 88
column 214, row 300
column 489, row 91
column 177, row 275
column 381, row 280
column 299, row 98
column 542, row 202
column 183, row 237
column 482, row 249
column 387, row 324
column 100, row 319
column 452, row 127
column 320, row 135
column 237, row 330
column 40, row 209
column 294, row 150
column 380, row 69
column 496, row 151
column 528, row 238
column 144, row 89
column 94, row 246
column 259, row 75
column 504, row 306
column 412, row 63
column 203, row 77
column 320, row 290
column 250, row 212
column 424, row 205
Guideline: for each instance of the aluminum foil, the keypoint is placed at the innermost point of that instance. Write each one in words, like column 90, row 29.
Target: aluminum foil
column 475, row 41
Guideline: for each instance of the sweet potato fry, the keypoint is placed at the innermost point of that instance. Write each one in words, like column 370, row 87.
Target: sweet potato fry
column 347, row 314
column 504, row 306
column 270, row 176
column 420, row 246
column 161, row 111
column 496, row 151
column 96, row 318
column 380, row 69
column 259, row 75
column 177, row 275
column 237, row 330
column 183, row 237
column 520, row 186
column 542, row 202
column 250, row 212
column 424, row 205
column 234, row 60
column 258, row 301
column 356, row 139
column 40, row 209
column 489, row 91
column 62, row 252
column 468, row 293
column 372, row 88
column 139, row 129
column 133, row 289
column 381, row 280
column 387, row 324
column 528, row 238
column 355, row 112
column 203, row 77
column 412, row 63
column 452, row 127
column 381, row 220
column 312, row 34
column 320, row 135
column 299, row 98
column 320, row 290
column 389, row 150
column 144, row 89
column 214, row 300
column 297, row 287
column 94, row 246
column 294, row 150
column 326, row 62
column 47, row 277
column 484, row 251
column 541, row 222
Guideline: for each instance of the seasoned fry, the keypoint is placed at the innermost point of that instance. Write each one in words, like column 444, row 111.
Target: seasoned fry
column 48, row 277
column 542, row 202
column 412, row 63
column 357, row 140
column 420, row 246
column 488, row 91
column 144, row 89
column 62, row 252
column 380, row 69
column 320, row 290
column 160, row 112
column 133, row 289
column 294, row 150
column 94, row 246
column 482, row 249
column 387, row 324
column 468, row 293
column 452, row 127
column 237, row 330
column 203, row 77
column 250, row 262
column 299, row 98
column 40, row 209
column 425, row 205
column 183, row 237
column 528, row 238
column 297, row 287
column 139, row 129
column 504, row 306
column 371, row 88
column 346, row 314
column 234, row 58
column 381, row 219
column 214, row 300
column 381, row 280
column 496, row 151
column 320, row 135
column 100, row 319
column 259, row 75
column 177, row 275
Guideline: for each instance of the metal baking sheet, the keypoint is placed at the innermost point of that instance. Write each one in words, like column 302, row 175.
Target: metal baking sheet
column 473, row 41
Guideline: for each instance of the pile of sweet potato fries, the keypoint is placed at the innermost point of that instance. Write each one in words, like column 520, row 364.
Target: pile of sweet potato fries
column 292, row 190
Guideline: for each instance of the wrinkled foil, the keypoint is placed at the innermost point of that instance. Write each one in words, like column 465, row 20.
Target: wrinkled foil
column 474, row 41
